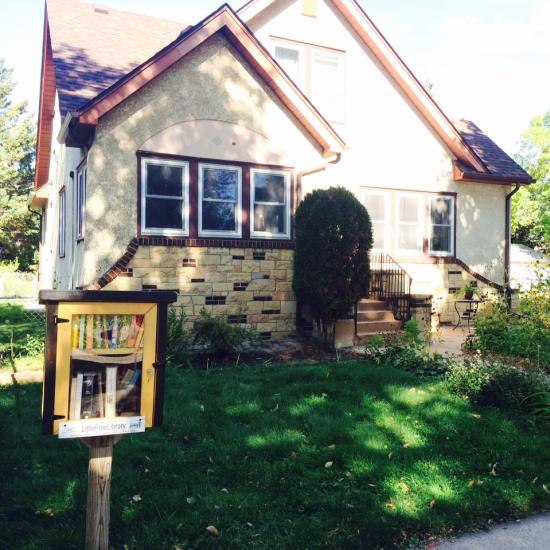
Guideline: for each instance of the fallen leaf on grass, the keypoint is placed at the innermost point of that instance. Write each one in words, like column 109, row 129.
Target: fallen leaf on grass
column 476, row 416
column 493, row 471
column 545, row 488
column 212, row 530
column 136, row 498
column 390, row 456
column 433, row 503
column 329, row 464
column 333, row 446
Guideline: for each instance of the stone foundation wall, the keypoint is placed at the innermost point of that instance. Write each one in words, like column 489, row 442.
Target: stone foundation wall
column 445, row 282
column 248, row 286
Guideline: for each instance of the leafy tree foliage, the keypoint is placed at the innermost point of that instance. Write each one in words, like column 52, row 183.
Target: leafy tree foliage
column 331, row 261
column 531, row 205
column 18, row 227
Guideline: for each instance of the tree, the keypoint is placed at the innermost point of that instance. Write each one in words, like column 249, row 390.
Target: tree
column 531, row 205
column 18, row 227
column 331, row 259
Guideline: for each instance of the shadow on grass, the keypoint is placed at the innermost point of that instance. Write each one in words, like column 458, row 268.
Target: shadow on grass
column 337, row 455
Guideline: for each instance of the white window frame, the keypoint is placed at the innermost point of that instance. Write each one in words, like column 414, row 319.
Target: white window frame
column 387, row 214
column 419, row 232
column 341, row 101
column 62, row 220
column 451, row 225
column 238, row 207
column 302, row 60
column 286, row 204
column 80, row 197
column 145, row 161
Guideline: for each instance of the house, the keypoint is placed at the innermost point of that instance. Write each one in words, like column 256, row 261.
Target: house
column 173, row 157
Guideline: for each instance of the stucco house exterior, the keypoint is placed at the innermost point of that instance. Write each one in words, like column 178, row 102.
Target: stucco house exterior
column 173, row 157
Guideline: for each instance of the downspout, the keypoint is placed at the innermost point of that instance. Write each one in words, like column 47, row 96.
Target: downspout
column 507, row 245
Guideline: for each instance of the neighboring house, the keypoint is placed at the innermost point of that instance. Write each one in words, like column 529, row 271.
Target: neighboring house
column 527, row 267
column 173, row 157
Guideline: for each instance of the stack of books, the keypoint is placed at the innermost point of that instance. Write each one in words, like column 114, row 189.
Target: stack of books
column 106, row 363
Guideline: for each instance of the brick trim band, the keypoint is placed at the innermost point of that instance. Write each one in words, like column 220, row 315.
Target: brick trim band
column 118, row 267
column 221, row 243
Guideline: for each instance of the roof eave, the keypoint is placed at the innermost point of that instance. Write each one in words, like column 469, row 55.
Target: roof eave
column 461, row 174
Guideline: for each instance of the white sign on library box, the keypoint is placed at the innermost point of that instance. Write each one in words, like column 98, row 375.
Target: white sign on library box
column 101, row 426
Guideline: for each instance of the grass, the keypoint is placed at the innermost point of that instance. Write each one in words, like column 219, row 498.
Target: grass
column 327, row 455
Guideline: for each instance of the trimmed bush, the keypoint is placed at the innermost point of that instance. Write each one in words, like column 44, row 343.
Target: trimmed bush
column 331, row 260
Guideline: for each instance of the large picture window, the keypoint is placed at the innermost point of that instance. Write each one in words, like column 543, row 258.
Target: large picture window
column 220, row 201
column 409, row 226
column 270, row 204
column 165, row 197
column 441, row 225
column 62, row 222
column 376, row 203
column 81, row 177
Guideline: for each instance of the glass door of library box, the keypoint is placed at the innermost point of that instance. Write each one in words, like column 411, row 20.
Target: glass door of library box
column 105, row 361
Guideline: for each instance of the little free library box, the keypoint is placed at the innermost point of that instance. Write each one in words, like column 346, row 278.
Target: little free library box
column 104, row 361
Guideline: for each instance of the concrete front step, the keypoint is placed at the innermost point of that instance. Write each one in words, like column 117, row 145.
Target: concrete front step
column 371, row 315
column 366, row 328
column 372, row 305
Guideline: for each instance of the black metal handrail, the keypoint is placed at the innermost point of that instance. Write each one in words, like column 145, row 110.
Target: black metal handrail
column 390, row 283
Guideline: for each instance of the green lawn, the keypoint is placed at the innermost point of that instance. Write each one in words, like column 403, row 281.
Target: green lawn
column 328, row 455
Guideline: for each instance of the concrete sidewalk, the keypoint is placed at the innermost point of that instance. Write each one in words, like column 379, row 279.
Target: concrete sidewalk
column 529, row 534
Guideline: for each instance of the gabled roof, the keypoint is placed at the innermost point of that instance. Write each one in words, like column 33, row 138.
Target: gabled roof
column 94, row 46
column 480, row 158
column 223, row 20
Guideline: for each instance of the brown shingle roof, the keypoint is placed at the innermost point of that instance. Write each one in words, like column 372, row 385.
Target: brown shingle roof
column 93, row 47
column 493, row 157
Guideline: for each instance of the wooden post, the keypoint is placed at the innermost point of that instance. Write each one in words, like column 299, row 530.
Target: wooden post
column 99, row 491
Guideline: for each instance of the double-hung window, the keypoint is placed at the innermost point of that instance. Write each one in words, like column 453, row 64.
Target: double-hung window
column 81, row 177
column 441, row 225
column 270, row 204
column 327, row 89
column 377, row 205
column 220, row 200
column 409, row 224
column 291, row 57
column 318, row 71
column 62, row 223
column 164, row 197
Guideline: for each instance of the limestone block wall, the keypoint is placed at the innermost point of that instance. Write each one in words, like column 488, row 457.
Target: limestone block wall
column 445, row 282
column 248, row 286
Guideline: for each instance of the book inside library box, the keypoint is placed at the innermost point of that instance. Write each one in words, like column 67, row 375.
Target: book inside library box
column 106, row 366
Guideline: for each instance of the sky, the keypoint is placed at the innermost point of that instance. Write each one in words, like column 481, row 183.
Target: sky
column 488, row 60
